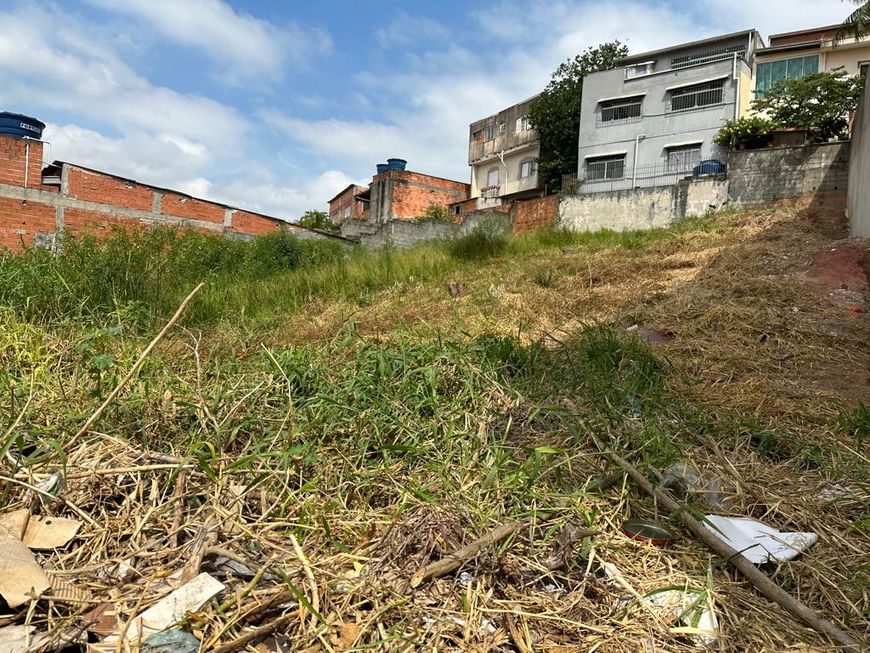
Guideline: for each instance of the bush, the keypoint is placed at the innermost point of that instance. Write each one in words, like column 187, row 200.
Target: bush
column 821, row 102
column 488, row 240
column 436, row 213
column 745, row 133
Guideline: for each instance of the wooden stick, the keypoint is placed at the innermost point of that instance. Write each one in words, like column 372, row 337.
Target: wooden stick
column 257, row 633
column 453, row 561
column 754, row 575
column 178, row 500
column 133, row 370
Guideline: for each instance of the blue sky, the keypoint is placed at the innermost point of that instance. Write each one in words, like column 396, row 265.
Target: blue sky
column 277, row 106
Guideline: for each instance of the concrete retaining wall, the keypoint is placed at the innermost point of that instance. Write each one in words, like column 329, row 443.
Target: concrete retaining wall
column 859, row 171
column 643, row 208
column 404, row 234
column 759, row 178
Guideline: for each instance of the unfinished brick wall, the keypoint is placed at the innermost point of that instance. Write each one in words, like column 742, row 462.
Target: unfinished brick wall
column 414, row 192
column 182, row 206
column 14, row 158
column 19, row 222
column 339, row 204
column 90, row 201
column 532, row 214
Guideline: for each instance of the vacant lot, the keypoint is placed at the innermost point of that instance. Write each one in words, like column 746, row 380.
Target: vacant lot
column 332, row 421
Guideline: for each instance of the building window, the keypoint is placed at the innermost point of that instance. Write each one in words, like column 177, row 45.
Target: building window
column 683, row 157
column 623, row 110
column 457, row 210
column 492, row 177
column 346, row 212
column 477, row 136
column 697, row 96
column 771, row 72
column 640, row 69
column 524, row 124
column 605, row 167
column 502, row 127
column 528, row 168
column 489, row 133
column 863, row 68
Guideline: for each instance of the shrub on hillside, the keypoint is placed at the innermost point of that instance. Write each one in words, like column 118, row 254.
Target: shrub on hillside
column 488, row 239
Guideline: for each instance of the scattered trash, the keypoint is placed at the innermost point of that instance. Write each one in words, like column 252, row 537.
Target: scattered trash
column 692, row 607
column 644, row 530
column 16, row 522
column 456, row 289
column 170, row 610
column 683, row 479
column 21, row 577
column 53, row 485
column 50, row 532
column 170, row 641
column 758, row 542
column 101, row 620
column 229, row 567
column 856, row 308
column 465, row 579
column 833, row 492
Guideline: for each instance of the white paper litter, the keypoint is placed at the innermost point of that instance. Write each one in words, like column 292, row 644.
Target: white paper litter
column 758, row 542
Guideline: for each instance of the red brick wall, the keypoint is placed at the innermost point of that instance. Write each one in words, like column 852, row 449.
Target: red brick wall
column 182, row 206
column 414, row 192
column 251, row 223
column 12, row 159
column 97, row 187
column 20, row 221
column 532, row 214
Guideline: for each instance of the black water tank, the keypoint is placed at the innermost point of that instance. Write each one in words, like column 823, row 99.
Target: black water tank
column 14, row 124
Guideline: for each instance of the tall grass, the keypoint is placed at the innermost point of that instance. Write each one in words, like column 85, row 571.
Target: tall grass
column 140, row 277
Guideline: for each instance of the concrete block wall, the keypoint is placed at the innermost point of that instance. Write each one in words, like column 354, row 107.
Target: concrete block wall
column 88, row 201
column 859, row 171
column 404, row 234
column 759, row 178
column 642, row 208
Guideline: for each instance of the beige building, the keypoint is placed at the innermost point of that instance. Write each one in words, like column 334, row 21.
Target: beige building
column 797, row 54
column 503, row 154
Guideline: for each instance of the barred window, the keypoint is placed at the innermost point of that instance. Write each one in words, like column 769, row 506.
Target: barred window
column 605, row 167
column 697, row 96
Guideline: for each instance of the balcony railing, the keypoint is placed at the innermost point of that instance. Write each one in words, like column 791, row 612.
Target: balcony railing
column 490, row 192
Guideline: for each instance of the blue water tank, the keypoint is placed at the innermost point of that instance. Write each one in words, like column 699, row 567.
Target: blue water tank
column 14, row 124
column 709, row 167
column 383, row 167
column 397, row 164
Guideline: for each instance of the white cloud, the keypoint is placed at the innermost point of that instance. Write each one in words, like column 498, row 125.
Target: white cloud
column 406, row 30
column 242, row 45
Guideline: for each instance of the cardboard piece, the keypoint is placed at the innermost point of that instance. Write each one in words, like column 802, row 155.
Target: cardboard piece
column 20, row 575
column 758, row 542
column 171, row 609
column 16, row 522
column 50, row 532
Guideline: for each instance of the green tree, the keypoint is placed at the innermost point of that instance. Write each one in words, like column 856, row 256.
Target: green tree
column 317, row 220
column 857, row 24
column 821, row 102
column 555, row 113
